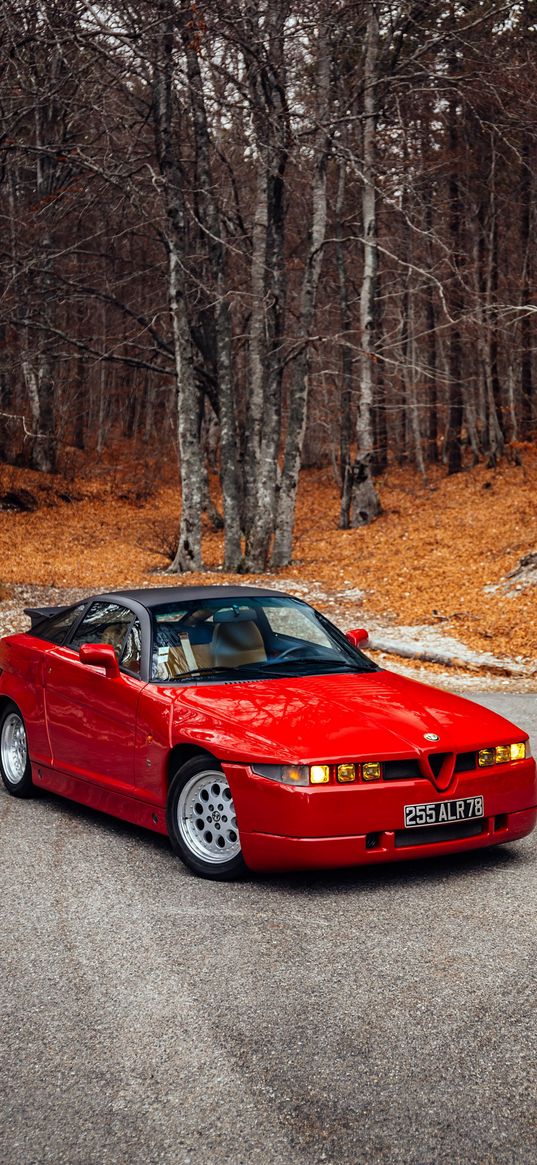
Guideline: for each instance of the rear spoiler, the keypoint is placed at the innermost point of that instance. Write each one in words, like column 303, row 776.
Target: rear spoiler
column 41, row 614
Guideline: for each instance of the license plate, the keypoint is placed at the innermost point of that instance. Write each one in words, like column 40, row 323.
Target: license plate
column 444, row 812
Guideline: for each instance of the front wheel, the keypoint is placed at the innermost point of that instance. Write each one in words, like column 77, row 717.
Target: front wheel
column 15, row 767
column 202, row 822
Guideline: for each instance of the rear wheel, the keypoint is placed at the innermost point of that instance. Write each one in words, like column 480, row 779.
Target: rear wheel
column 15, row 767
column 202, row 822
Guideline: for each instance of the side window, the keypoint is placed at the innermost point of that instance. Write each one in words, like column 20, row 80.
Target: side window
column 103, row 623
column 56, row 630
column 132, row 652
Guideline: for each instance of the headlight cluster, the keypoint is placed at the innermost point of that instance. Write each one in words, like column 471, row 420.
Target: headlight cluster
column 349, row 772
column 320, row 774
column 503, row 754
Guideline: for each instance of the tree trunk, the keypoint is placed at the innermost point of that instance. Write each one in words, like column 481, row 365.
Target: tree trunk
column 411, row 391
column 43, row 404
column 526, row 373
column 256, row 348
column 430, row 324
column 188, row 555
column 296, row 426
column 380, row 402
column 495, row 436
column 345, row 466
column 211, row 223
column 365, row 502
column 455, row 396
column 266, row 78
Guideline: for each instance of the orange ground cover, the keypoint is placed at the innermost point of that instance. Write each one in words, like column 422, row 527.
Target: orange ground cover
column 430, row 554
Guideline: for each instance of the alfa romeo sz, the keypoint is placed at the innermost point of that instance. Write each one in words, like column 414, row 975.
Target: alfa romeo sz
column 255, row 734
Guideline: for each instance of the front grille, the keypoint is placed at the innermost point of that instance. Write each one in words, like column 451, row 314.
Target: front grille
column 401, row 770
column 432, row 834
column 436, row 760
column 409, row 770
column 465, row 762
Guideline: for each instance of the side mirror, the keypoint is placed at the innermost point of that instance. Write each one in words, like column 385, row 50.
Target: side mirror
column 359, row 638
column 100, row 655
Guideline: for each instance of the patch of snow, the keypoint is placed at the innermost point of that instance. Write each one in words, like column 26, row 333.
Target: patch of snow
column 431, row 643
column 420, row 643
column 523, row 576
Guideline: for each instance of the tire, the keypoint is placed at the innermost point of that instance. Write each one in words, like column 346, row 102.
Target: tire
column 202, row 825
column 15, row 767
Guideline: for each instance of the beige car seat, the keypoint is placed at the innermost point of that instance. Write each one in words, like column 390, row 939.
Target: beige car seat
column 237, row 643
column 114, row 635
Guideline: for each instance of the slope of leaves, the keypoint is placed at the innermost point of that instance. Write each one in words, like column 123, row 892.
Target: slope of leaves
column 428, row 559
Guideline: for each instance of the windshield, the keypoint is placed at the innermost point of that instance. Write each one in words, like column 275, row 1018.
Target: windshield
column 248, row 638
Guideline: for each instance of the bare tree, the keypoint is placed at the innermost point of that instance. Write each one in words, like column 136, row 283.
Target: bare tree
column 188, row 554
column 265, row 62
column 211, row 222
column 296, row 425
column 364, row 501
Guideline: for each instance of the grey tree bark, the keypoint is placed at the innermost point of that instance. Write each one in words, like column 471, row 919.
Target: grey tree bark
column 188, row 555
column 365, row 502
column 453, row 442
column 41, row 378
column 526, row 329
column 296, row 425
column 211, row 223
column 489, row 344
column 267, row 87
column 346, row 358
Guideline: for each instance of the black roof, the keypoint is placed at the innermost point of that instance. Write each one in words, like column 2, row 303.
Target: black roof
column 155, row 596
column 149, row 597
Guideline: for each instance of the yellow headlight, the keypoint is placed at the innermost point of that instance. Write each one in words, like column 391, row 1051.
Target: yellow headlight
column 319, row 774
column 346, row 773
column 371, row 771
column 518, row 751
column 502, row 754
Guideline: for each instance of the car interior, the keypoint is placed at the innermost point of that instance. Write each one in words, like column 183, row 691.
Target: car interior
column 207, row 645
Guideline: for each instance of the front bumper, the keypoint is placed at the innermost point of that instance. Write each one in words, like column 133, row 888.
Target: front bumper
column 265, row 851
column 283, row 828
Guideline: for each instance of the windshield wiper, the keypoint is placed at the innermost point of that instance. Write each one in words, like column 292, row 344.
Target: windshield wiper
column 310, row 661
column 200, row 672
column 263, row 669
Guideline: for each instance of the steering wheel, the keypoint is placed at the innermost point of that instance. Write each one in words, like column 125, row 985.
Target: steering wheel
column 288, row 653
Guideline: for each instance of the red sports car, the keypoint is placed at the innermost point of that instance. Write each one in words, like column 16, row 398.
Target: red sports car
column 243, row 724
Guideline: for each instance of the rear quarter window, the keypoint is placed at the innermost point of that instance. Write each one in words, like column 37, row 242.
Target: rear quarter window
column 57, row 629
column 103, row 622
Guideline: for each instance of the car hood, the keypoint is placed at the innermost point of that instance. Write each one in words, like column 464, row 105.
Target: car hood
column 372, row 715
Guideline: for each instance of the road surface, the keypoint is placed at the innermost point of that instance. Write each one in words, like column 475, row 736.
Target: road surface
column 351, row 1017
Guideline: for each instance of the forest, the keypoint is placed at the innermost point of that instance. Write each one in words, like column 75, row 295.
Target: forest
column 250, row 237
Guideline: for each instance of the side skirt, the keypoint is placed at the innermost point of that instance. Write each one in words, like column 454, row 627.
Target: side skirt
column 117, row 804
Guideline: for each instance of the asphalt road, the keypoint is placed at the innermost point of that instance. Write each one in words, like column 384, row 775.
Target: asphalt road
column 352, row 1017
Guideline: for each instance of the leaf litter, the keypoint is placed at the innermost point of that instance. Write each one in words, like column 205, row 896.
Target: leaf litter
column 430, row 570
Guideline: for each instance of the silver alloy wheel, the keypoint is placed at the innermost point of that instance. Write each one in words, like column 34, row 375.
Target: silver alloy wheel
column 13, row 748
column 206, row 818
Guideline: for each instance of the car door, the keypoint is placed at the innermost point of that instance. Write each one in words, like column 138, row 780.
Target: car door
column 91, row 716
